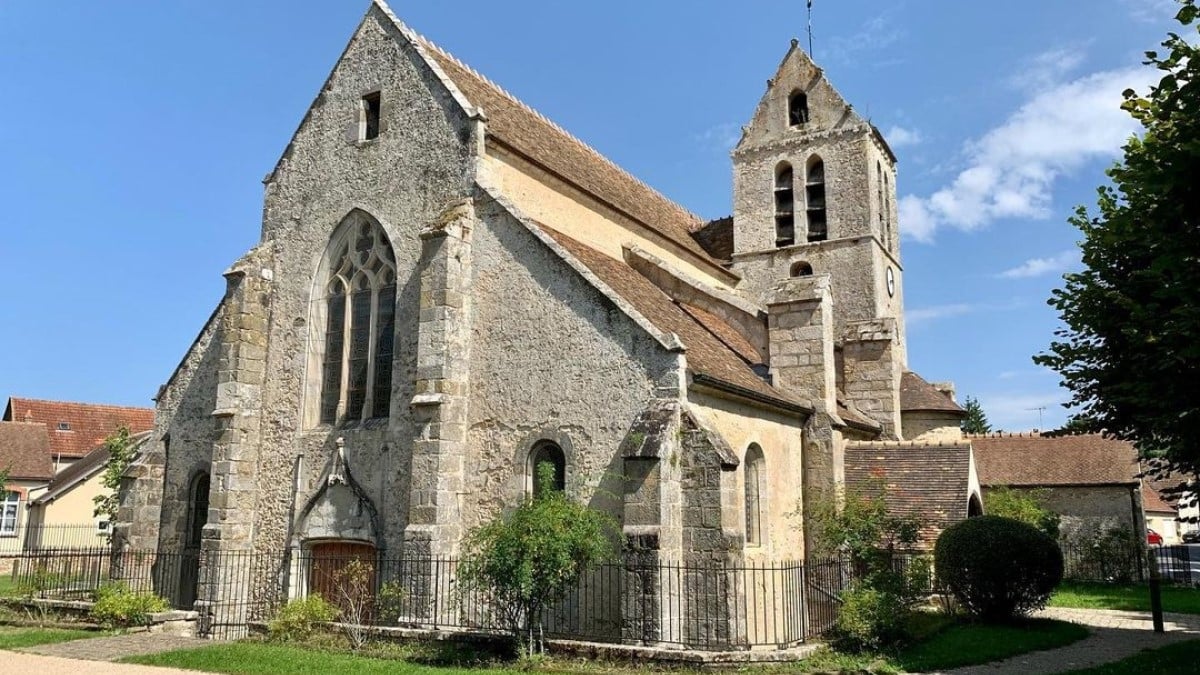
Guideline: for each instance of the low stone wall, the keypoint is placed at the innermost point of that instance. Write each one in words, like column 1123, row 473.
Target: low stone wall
column 173, row 622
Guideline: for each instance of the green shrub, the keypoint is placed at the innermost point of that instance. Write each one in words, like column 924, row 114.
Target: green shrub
column 300, row 618
column 1027, row 506
column 998, row 568
column 869, row 619
column 116, row 606
column 1114, row 554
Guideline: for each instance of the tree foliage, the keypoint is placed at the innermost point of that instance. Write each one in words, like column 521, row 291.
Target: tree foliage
column 976, row 421
column 120, row 446
column 529, row 560
column 1027, row 506
column 1128, row 350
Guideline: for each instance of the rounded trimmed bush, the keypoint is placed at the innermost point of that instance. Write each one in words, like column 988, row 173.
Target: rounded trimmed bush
column 997, row 568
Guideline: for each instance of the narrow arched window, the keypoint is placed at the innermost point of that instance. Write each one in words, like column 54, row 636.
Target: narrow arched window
column 547, row 468
column 879, row 193
column 360, row 326
column 785, row 206
column 887, row 212
column 754, row 469
column 197, row 515
column 797, row 109
column 814, row 193
column 801, row 269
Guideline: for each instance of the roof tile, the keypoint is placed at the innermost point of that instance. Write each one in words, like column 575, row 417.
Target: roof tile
column 89, row 423
column 23, row 451
column 1033, row 460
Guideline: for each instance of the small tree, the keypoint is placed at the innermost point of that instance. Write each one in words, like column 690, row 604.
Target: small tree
column 529, row 560
column 355, row 595
column 120, row 448
column 976, row 421
column 1027, row 506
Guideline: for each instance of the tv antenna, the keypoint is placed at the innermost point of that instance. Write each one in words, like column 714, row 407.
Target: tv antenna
column 810, row 49
column 1040, row 409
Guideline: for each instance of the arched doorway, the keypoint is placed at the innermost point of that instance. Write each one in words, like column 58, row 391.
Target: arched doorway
column 333, row 575
column 974, row 507
column 197, row 518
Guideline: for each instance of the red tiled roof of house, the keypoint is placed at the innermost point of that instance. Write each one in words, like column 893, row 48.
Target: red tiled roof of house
column 88, row 424
column 1152, row 502
column 23, row 451
column 917, row 394
column 1036, row 460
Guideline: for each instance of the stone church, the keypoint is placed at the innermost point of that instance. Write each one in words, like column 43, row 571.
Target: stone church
column 450, row 289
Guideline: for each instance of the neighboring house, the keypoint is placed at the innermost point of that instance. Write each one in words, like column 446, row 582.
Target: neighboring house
column 450, row 290
column 1161, row 515
column 45, row 441
column 75, row 429
column 1089, row 480
column 23, row 453
column 1178, row 492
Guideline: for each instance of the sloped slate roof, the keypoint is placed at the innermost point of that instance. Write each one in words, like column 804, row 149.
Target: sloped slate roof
column 90, row 423
column 707, row 354
column 917, row 394
column 532, row 135
column 1036, row 460
column 23, row 451
column 929, row 480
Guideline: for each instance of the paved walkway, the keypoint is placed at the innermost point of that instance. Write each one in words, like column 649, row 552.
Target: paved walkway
column 116, row 646
column 19, row 662
column 1115, row 635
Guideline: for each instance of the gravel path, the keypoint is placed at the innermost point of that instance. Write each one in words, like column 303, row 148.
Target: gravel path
column 117, row 646
column 1115, row 635
column 21, row 662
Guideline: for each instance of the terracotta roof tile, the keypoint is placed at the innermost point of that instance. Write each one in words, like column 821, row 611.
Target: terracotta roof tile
column 1033, row 459
column 526, row 131
column 23, row 451
column 927, row 480
column 697, row 329
column 1152, row 502
column 81, row 470
column 1169, row 485
column 917, row 394
column 89, row 423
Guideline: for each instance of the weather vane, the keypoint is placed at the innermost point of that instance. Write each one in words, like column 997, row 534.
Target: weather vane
column 810, row 49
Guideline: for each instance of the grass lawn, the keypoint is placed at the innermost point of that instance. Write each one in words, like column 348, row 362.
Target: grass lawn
column 1135, row 598
column 952, row 646
column 7, row 587
column 970, row 644
column 255, row 658
column 1176, row 658
column 12, row 637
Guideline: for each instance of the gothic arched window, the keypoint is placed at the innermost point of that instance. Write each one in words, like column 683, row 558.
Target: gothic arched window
column 797, row 109
column 887, row 211
column 754, row 469
column 814, row 193
column 554, row 477
column 785, row 206
column 360, row 326
column 801, row 269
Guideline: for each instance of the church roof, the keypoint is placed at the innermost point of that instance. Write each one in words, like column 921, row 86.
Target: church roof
column 23, row 450
column 531, row 135
column 1031, row 460
column 76, row 428
column 917, row 394
column 929, row 480
column 714, row 348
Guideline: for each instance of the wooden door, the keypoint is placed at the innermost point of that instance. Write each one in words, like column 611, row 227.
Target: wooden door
column 330, row 576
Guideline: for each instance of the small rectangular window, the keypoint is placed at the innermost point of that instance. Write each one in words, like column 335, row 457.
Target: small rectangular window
column 64, row 426
column 370, row 109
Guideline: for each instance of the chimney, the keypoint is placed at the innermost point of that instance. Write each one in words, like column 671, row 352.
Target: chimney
column 946, row 388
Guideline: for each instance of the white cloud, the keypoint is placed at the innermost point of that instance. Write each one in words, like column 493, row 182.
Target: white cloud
column 721, row 137
column 898, row 137
column 1036, row 267
column 1011, row 169
column 926, row 314
column 874, row 34
column 1048, row 68
column 1152, row 11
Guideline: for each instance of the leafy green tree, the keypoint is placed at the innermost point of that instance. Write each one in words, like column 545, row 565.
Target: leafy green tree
column 976, row 421
column 1128, row 350
column 1027, row 506
column 120, row 446
column 529, row 560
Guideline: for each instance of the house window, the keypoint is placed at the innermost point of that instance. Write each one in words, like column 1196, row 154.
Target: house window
column 754, row 508
column 814, row 192
column 798, row 109
column 360, row 323
column 801, row 269
column 547, row 468
column 8, row 513
column 370, row 116
column 785, row 206
column 64, row 426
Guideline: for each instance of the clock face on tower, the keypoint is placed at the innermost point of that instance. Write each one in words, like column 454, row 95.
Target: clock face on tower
column 891, row 283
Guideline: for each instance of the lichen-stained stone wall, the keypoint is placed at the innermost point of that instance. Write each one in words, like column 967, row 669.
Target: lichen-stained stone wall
column 552, row 358
column 420, row 162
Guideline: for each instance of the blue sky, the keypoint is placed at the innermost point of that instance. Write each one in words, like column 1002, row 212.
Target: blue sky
column 134, row 137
